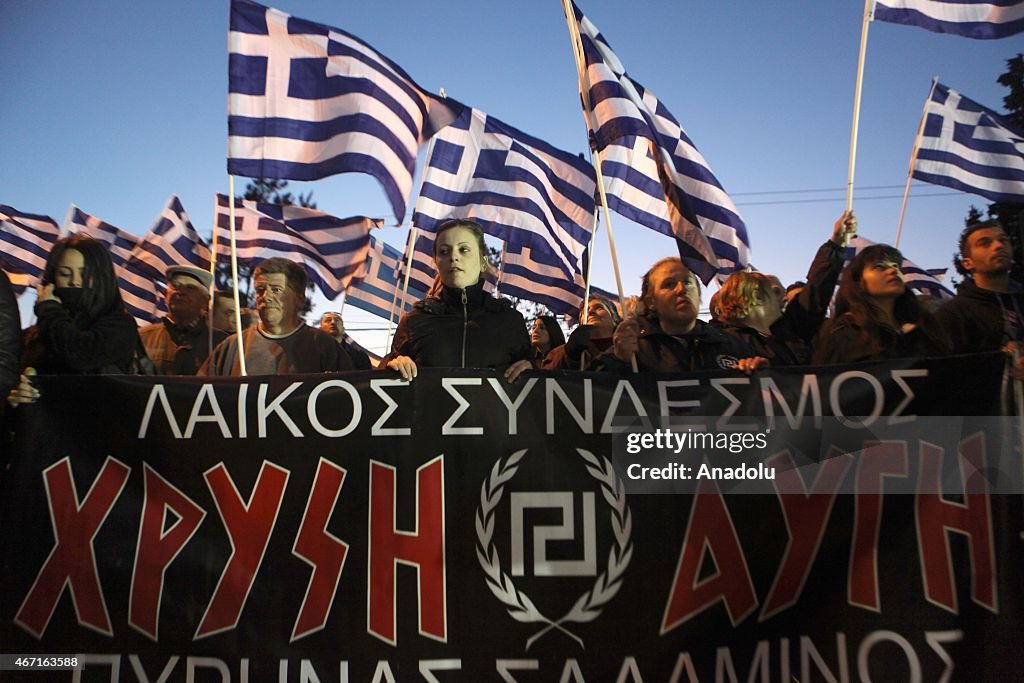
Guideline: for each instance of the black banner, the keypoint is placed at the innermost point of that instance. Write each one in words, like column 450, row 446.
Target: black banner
column 460, row 528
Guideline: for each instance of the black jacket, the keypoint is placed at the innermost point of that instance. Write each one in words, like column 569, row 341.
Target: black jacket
column 793, row 333
column 982, row 320
column 462, row 329
column 844, row 340
column 10, row 337
column 61, row 343
column 704, row 348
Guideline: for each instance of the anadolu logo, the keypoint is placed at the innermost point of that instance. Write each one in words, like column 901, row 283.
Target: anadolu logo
column 590, row 604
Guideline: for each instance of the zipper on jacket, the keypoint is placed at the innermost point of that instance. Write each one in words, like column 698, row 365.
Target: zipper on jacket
column 465, row 324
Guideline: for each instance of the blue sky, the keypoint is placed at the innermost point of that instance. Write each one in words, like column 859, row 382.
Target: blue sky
column 115, row 105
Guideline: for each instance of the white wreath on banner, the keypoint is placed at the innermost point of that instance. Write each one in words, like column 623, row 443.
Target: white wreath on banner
column 589, row 605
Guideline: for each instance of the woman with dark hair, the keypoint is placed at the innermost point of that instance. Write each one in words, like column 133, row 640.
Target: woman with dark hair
column 458, row 324
column 546, row 336
column 877, row 316
column 81, row 325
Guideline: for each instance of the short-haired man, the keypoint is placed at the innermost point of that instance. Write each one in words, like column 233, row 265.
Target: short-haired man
column 224, row 312
column 180, row 343
column 988, row 311
column 280, row 344
column 332, row 324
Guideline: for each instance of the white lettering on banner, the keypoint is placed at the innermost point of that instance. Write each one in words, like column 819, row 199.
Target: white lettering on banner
column 449, row 384
column 512, row 406
column 575, row 399
column 761, row 664
column 314, row 418
column 377, row 385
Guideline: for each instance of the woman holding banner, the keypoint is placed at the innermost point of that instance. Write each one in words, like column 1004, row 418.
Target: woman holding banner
column 459, row 324
column 877, row 316
column 82, row 326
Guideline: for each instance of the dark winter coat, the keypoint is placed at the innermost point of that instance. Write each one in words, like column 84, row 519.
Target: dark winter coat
column 982, row 320
column 704, row 348
column 462, row 329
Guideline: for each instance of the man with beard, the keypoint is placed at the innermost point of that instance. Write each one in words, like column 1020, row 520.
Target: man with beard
column 280, row 344
column 180, row 342
column 986, row 314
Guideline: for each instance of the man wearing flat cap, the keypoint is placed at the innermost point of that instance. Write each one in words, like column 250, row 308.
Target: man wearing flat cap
column 180, row 342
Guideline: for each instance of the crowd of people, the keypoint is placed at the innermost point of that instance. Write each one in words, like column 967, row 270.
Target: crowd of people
column 82, row 326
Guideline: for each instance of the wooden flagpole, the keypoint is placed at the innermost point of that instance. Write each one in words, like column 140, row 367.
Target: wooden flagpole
column 595, row 155
column 868, row 12
column 413, row 233
column 913, row 160
column 234, row 274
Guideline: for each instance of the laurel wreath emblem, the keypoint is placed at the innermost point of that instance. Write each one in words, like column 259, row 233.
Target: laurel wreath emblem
column 589, row 605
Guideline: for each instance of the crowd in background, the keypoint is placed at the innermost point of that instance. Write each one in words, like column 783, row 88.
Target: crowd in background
column 863, row 311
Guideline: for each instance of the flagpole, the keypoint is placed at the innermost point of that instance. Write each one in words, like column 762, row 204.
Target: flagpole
column 577, row 51
column 234, row 274
column 213, row 284
column 868, row 11
column 391, row 319
column 913, row 160
column 501, row 270
column 413, row 231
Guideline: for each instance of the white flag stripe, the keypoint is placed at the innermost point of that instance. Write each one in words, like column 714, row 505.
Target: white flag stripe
column 970, row 148
column 961, row 12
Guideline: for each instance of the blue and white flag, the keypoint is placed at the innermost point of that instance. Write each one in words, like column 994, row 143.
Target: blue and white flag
column 529, row 277
column 380, row 289
column 26, row 240
column 139, row 289
column 332, row 250
column 914, row 276
column 520, row 189
column 422, row 274
column 970, row 148
column 171, row 241
column 968, row 18
column 654, row 174
column 306, row 101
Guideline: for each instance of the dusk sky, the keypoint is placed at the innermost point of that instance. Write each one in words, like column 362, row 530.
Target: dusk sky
column 115, row 105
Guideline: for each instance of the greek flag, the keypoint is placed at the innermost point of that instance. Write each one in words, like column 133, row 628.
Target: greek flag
column 968, row 18
column 306, row 101
column 970, row 148
column 526, row 276
column 26, row 240
column 172, row 240
column 139, row 290
column 423, row 271
column 654, row 174
column 332, row 250
column 380, row 290
column 520, row 189
column 914, row 276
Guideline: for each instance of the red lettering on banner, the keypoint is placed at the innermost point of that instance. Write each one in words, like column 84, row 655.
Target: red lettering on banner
column 709, row 528
column 973, row 518
column 249, row 526
column 423, row 548
column 876, row 461
column 72, row 562
column 322, row 550
column 806, row 515
column 157, row 547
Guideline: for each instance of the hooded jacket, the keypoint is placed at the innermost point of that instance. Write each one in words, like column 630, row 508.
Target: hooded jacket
column 463, row 328
column 982, row 320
